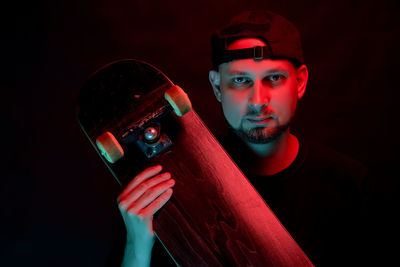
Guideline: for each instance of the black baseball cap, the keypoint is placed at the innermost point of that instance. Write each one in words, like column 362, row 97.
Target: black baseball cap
column 280, row 35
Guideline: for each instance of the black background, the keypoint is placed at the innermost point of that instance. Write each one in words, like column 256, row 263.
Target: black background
column 57, row 198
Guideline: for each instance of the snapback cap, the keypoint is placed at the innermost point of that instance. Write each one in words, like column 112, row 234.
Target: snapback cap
column 280, row 35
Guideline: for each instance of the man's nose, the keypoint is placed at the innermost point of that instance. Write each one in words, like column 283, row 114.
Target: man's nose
column 259, row 95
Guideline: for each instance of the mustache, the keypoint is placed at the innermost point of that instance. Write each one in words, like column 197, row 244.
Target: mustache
column 258, row 111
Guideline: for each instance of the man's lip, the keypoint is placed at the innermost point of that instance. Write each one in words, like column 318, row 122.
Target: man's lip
column 259, row 119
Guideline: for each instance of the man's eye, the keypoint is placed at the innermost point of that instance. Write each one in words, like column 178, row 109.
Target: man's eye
column 275, row 77
column 240, row 80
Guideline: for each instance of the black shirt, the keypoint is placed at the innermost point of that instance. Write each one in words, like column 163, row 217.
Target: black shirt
column 319, row 199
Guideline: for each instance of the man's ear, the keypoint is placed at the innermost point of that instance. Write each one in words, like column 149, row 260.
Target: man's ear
column 215, row 81
column 302, row 78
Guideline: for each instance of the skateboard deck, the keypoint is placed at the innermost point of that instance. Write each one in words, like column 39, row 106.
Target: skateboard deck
column 215, row 217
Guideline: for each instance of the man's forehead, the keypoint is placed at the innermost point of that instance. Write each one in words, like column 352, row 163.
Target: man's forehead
column 245, row 43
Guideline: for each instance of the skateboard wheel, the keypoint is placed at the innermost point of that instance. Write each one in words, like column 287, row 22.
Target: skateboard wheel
column 179, row 100
column 109, row 147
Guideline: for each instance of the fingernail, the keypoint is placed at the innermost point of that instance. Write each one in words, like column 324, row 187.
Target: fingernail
column 165, row 175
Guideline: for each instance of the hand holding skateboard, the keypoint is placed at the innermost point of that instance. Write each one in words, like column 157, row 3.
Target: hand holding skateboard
column 146, row 194
column 138, row 203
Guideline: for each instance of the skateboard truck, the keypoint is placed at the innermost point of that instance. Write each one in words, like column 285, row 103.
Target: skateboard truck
column 152, row 141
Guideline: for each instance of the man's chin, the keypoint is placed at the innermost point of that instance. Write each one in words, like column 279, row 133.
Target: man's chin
column 261, row 135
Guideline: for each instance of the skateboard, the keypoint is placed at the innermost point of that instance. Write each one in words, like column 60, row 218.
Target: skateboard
column 135, row 117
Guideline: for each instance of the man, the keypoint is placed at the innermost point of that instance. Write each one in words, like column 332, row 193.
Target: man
column 258, row 78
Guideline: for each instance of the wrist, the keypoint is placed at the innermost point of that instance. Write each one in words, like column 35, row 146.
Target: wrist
column 137, row 254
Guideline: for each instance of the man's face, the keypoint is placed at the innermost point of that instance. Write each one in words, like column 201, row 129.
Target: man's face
column 259, row 98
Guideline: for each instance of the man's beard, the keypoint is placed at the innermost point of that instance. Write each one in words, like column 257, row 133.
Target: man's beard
column 261, row 135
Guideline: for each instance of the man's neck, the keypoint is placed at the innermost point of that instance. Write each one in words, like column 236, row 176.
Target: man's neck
column 271, row 158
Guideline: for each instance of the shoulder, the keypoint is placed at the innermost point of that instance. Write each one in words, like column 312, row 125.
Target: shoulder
column 332, row 163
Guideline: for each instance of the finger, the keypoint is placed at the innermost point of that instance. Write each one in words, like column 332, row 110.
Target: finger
column 150, row 195
column 157, row 204
column 144, row 175
column 138, row 191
